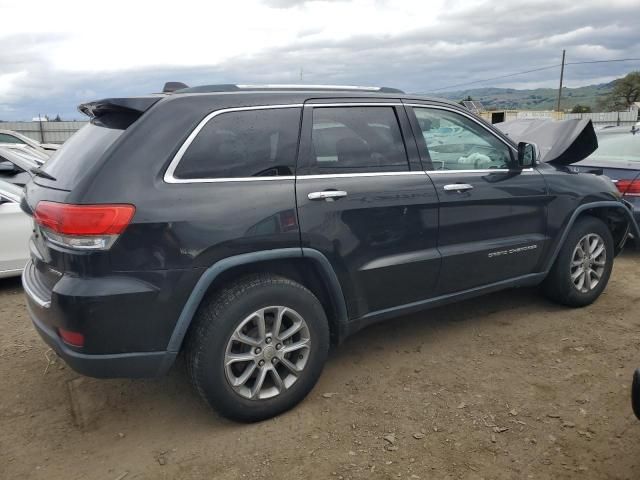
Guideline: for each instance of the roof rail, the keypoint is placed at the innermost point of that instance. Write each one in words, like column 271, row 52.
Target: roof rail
column 227, row 87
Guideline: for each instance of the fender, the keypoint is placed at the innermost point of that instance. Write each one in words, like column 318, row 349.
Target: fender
column 587, row 206
column 207, row 278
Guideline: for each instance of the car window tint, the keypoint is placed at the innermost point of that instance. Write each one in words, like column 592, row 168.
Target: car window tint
column 6, row 138
column 357, row 139
column 454, row 142
column 246, row 143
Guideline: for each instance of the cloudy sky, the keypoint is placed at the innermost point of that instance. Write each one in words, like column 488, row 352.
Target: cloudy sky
column 56, row 54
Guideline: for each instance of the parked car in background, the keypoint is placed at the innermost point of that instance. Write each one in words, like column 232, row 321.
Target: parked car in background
column 251, row 227
column 617, row 157
column 16, row 166
column 15, row 229
column 15, row 138
column 40, row 155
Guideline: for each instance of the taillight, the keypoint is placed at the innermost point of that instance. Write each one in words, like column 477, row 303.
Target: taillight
column 629, row 187
column 86, row 227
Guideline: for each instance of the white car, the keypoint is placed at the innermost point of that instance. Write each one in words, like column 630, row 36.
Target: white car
column 14, row 138
column 15, row 229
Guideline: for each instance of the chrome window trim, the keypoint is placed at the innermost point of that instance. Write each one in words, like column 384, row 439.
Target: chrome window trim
column 228, row 179
column 484, row 170
column 363, row 174
column 169, row 174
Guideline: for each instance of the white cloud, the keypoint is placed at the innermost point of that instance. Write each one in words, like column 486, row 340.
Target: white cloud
column 70, row 49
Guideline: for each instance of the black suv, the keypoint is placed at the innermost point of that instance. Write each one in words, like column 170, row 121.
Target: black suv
column 250, row 228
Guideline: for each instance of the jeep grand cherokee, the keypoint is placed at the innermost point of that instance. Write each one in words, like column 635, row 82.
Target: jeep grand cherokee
column 251, row 227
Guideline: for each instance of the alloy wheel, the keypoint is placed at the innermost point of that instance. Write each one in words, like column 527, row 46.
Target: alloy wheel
column 588, row 262
column 267, row 352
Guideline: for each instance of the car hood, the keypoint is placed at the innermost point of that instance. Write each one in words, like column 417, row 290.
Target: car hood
column 559, row 142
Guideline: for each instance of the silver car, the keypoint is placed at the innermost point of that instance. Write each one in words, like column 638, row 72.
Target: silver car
column 15, row 230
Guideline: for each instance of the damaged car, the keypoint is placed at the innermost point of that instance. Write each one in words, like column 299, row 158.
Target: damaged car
column 249, row 228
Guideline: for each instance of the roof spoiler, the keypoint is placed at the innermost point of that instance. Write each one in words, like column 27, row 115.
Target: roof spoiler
column 137, row 105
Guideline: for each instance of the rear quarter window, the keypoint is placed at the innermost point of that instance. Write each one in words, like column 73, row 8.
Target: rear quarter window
column 246, row 143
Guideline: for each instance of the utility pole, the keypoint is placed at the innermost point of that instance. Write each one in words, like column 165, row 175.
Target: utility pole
column 561, row 76
column 41, row 129
column 301, row 74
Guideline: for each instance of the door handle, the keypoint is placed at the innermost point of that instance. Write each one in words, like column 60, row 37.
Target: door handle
column 458, row 187
column 328, row 195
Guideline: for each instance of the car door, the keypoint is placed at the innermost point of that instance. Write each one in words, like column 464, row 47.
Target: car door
column 15, row 230
column 492, row 213
column 365, row 202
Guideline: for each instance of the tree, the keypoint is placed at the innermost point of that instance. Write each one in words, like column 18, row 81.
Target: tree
column 57, row 119
column 626, row 91
column 581, row 109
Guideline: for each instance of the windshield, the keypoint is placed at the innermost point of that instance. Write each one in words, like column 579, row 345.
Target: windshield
column 618, row 147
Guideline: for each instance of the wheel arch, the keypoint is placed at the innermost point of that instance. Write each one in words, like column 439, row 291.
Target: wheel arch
column 305, row 266
column 614, row 214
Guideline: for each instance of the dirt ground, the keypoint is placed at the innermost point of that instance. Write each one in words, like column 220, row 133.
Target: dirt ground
column 504, row 386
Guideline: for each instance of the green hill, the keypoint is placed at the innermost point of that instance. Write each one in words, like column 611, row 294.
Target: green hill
column 537, row 99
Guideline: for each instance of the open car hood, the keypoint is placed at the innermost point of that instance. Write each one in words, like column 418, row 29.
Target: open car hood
column 560, row 142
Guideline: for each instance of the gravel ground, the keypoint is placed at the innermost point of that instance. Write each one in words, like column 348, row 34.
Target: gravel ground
column 504, row 386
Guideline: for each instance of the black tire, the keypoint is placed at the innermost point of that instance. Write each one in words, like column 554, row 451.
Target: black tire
column 217, row 319
column 558, row 285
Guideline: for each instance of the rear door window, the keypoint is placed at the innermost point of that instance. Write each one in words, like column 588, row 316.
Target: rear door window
column 356, row 139
column 246, row 143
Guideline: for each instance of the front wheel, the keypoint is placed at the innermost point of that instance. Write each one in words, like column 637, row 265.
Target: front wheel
column 583, row 266
column 258, row 347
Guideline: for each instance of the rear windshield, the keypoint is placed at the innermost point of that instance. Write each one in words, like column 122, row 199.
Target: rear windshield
column 68, row 164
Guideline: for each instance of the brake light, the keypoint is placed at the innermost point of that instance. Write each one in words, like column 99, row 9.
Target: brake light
column 88, row 227
column 74, row 339
column 629, row 187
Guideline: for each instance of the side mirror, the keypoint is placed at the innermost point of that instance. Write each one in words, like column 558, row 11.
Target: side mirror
column 526, row 155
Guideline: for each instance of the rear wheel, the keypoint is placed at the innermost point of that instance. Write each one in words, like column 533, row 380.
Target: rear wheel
column 258, row 347
column 583, row 266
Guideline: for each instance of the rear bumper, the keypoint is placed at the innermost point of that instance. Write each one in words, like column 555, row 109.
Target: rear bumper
column 126, row 322
column 124, row 365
